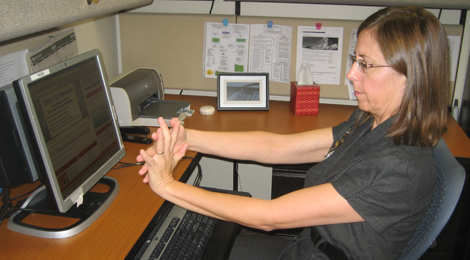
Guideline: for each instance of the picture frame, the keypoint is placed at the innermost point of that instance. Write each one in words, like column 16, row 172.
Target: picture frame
column 243, row 91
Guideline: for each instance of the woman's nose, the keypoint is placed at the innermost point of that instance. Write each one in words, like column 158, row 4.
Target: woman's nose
column 354, row 73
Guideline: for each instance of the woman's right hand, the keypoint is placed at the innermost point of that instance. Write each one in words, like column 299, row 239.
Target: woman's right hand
column 182, row 140
column 181, row 135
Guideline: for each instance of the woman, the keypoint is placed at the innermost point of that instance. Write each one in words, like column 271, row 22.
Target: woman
column 376, row 177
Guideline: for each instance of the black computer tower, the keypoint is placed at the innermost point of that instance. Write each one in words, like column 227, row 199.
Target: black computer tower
column 16, row 161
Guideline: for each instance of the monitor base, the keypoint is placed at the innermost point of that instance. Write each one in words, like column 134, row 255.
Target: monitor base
column 94, row 204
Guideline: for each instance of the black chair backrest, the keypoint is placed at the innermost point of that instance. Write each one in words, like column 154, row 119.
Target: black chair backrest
column 449, row 185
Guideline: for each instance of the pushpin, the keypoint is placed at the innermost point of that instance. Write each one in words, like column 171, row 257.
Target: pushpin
column 225, row 21
column 318, row 26
column 270, row 24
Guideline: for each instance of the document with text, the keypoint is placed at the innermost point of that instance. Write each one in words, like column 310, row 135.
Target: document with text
column 320, row 48
column 225, row 48
column 13, row 66
column 270, row 51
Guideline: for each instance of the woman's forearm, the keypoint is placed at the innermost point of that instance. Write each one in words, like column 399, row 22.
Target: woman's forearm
column 219, row 205
column 319, row 205
column 263, row 147
column 234, row 145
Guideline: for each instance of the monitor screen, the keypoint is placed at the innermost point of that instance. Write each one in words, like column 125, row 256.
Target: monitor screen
column 73, row 123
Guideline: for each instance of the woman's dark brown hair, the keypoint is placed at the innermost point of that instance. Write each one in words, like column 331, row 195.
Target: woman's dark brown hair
column 414, row 44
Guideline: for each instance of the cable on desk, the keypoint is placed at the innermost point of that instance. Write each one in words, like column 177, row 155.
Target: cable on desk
column 121, row 165
column 235, row 171
column 8, row 208
column 197, row 180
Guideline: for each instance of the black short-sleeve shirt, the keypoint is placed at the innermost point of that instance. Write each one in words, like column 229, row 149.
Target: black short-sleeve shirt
column 390, row 186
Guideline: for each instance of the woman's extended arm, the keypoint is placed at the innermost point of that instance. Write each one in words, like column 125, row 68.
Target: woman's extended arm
column 319, row 205
column 310, row 206
column 263, row 147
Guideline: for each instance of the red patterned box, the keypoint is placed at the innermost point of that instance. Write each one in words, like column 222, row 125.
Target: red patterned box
column 304, row 99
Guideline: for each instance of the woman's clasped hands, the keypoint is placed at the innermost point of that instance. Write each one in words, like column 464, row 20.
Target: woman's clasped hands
column 161, row 158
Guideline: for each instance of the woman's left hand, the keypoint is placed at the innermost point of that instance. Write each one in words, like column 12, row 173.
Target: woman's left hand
column 161, row 163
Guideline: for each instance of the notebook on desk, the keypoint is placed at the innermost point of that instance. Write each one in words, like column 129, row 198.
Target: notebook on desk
column 176, row 233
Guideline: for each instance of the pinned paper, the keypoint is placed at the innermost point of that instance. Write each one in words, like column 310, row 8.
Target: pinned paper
column 77, row 197
column 13, row 66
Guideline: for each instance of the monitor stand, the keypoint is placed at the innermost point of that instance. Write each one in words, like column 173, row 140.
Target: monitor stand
column 94, row 204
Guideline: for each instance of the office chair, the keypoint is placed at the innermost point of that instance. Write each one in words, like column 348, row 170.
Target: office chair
column 450, row 181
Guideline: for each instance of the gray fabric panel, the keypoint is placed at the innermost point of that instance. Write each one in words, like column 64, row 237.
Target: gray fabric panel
column 444, row 4
column 23, row 17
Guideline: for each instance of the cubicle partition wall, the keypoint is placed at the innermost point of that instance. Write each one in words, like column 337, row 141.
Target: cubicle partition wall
column 174, row 43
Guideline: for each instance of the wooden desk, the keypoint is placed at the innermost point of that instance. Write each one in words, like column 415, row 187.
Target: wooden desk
column 115, row 232
column 111, row 236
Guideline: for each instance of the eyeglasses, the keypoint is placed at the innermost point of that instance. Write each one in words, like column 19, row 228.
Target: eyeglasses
column 363, row 65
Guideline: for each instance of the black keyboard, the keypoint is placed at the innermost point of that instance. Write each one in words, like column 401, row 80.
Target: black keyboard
column 185, row 236
column 177, row 233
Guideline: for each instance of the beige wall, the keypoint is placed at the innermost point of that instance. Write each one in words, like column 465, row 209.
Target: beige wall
column 173, row 44
column 100, row 34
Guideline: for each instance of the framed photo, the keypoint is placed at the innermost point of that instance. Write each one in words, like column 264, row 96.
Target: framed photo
column 243, row 91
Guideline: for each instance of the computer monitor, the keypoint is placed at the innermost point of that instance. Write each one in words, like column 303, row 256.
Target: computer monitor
column 74, row 136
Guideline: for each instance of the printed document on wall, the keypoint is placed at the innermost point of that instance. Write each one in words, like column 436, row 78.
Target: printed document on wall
column 321, row 48
column 13, row 66
column 225, row 48
column 270, row 51
column 352, row 51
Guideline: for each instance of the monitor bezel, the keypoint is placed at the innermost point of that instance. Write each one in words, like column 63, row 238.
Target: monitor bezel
column 49, row 176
